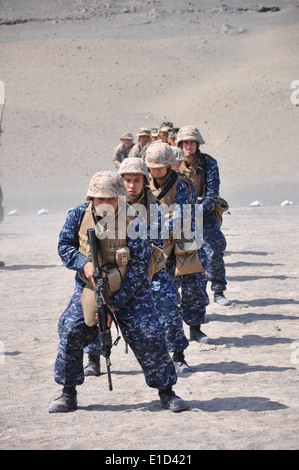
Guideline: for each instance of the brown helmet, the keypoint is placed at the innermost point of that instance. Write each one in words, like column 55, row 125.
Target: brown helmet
column 179, row 154
column 159, row 154
column 134, row 165
column 106, row 184
column 189, row 133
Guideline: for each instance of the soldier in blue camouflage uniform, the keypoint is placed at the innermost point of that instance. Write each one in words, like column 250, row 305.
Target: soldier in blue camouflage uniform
column 171, row 188
column 203, row 171
column 132, row 304
column 136, row 178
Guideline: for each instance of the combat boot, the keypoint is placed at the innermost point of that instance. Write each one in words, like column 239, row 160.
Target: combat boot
column 66, row 402
column 220, row 299
column 171, row 401
column 93, row 367
column 197, row 335
column 180, row 363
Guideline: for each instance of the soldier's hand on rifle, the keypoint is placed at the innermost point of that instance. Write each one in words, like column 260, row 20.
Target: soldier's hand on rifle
column 89, row 272
column 109, row 319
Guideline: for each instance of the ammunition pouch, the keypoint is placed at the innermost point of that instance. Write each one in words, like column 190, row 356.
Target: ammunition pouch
column 122, row 256
column 116, row 274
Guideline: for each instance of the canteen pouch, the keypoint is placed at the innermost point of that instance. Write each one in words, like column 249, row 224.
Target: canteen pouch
column 115, row 277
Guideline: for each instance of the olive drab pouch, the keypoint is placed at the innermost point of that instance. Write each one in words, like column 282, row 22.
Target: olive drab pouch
column 116, row 273
column 157, row 261
column 221, row 207
column 115, row 277
column 186, row 258
column 122, row 256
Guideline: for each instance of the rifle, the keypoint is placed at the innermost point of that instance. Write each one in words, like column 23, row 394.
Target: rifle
column 102, row 307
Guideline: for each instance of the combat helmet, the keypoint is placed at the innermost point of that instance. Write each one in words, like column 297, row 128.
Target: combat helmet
column 106, row 184
column 134, row 165
column 179, row 154
column 159, row 154
column 189, row 133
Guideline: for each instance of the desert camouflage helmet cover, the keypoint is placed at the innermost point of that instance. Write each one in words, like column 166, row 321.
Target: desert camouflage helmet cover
column 159, row 154
column 189, row 133
column 106, row 184
column 134, row 165
column 179, row 154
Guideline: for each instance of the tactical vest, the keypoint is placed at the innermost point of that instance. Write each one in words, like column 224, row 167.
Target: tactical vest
column 109, row 239
column 196, row 172
column 157, row 263
column 166, row 193
column 185, row 251
column 113, row 255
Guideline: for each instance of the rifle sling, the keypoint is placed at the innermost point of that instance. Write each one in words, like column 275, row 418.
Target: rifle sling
column 168, row 185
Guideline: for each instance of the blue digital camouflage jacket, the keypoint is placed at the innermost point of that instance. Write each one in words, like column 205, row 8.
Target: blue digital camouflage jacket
column 136, row 282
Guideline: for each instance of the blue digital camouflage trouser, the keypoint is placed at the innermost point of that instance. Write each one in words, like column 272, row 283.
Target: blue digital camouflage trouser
column 140, row 328
column 165, row 298
column 212, row 253
column 194, row 298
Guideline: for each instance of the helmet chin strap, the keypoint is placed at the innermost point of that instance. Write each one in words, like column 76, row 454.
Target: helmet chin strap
column 191, row 155
column 138, row 195
column 160, row 178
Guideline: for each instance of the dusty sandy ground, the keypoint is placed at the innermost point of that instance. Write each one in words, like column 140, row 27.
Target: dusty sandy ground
column 244, row 393
column 77, row 75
